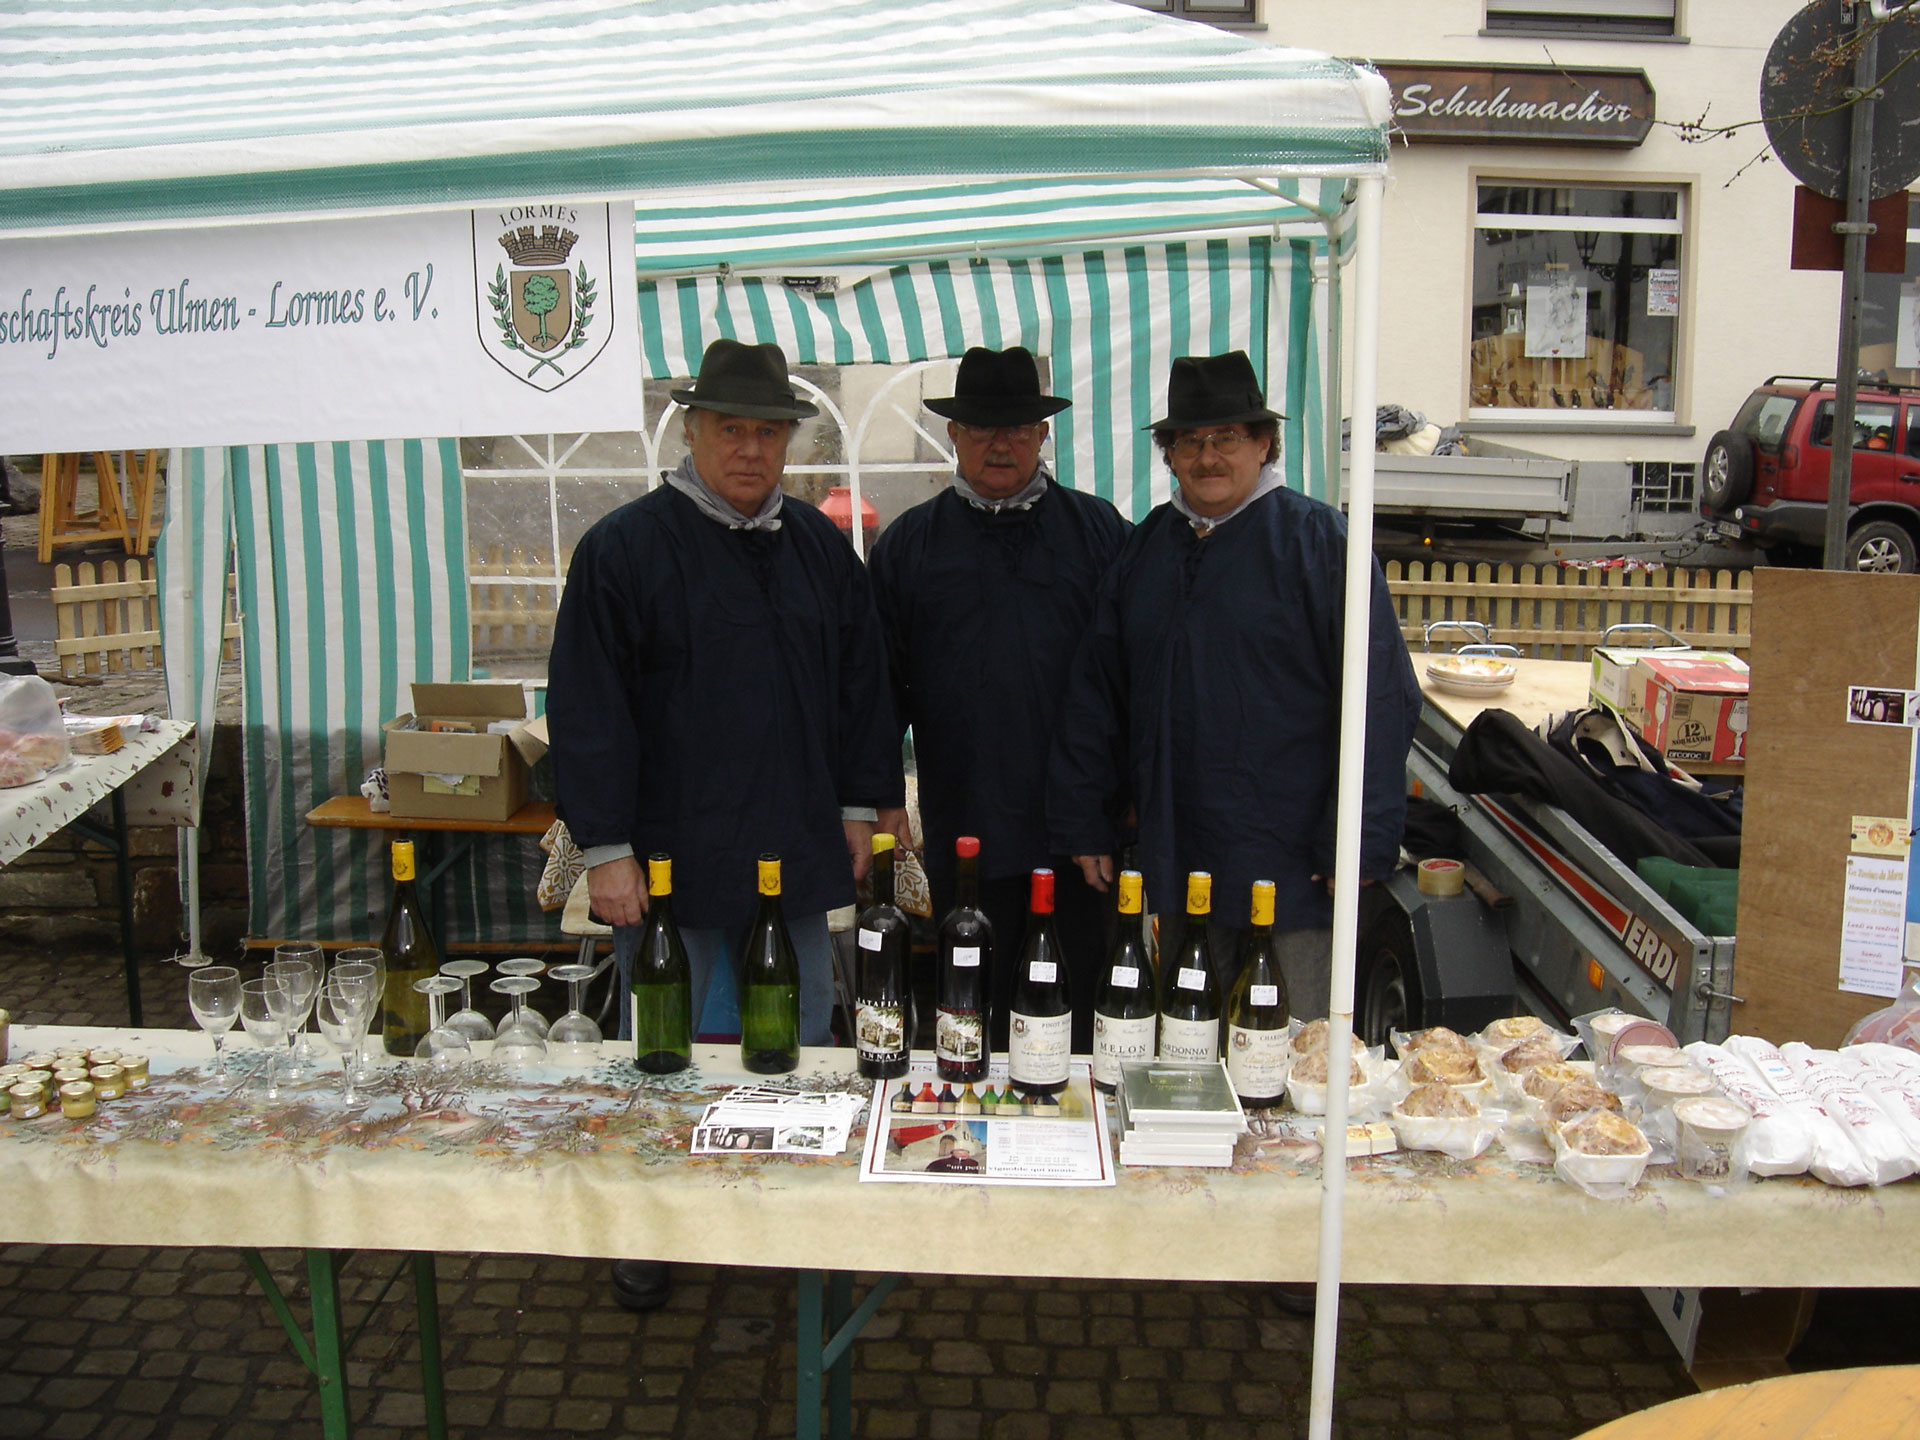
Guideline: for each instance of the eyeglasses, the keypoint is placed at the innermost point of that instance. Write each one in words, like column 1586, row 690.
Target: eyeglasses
column 980, row 434
column 1224, row 442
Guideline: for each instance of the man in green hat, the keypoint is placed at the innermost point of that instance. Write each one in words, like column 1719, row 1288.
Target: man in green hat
column 1208, row 690
column 984, row 592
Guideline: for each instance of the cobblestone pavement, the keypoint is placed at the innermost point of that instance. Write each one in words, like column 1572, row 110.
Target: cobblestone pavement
column 120, row 1344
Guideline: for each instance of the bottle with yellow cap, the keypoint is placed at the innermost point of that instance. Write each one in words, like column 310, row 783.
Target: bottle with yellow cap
column 1257, row 1012
column 411, row 956
column 769, row 985
column 883, row 989
column 1189, row 992
column 661, row 992
column 1124, row 1011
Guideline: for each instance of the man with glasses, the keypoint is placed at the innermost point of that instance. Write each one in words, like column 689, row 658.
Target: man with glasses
column 984, row 593
column 718, row 688
column 1208, row 690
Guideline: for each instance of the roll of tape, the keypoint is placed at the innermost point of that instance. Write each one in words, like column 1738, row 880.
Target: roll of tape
column 1442, row 877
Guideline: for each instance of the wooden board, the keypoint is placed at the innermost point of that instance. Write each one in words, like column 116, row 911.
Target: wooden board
column 1877, row 1404
column 1809, row 772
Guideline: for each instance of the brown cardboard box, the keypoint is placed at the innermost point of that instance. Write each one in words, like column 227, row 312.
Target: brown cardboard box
column 1613, row 684
column 492, row 769
column 1693, row 709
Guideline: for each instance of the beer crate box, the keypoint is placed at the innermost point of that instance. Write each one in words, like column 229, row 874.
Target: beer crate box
column 1693, row 709
column 466, row 771
column 1613, row 685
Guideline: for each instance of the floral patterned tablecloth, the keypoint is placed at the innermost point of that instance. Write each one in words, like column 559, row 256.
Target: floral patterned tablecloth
column 593, row 1160
column 30, row 814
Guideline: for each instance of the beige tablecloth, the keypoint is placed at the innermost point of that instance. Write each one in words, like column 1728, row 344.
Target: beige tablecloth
column 596, row 1163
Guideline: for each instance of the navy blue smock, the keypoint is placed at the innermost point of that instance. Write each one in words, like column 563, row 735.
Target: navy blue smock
column 1218, row 658
column 983, row 611
column 717, row 693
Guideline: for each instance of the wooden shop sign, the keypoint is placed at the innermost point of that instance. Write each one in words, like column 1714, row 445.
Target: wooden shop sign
column 1530, row 104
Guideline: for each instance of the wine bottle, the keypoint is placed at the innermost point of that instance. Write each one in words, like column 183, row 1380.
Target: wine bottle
column 883, row 990
column 661, row 993
column 966, row 960
column 1189, row 993
column 1040, row 1011
column 1123, row 1008
column 410, row 954
column 769, row 985
column 1257, row 1014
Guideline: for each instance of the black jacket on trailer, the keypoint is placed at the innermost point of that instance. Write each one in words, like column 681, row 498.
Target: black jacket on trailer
column 717, row 693
column 983, row 612
column 1217, row 660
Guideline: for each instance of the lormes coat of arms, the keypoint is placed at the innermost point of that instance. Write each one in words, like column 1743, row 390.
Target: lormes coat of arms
column 545, row 310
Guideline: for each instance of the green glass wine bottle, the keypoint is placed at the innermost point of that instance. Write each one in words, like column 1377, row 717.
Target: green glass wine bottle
column 661, row 992
column 769, row 985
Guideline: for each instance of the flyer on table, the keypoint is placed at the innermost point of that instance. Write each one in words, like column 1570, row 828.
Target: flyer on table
column 928, row 1131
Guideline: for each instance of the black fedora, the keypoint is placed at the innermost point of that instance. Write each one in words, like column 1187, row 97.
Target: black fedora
column 750, row 380
column 997, row 387
column 1213, row 390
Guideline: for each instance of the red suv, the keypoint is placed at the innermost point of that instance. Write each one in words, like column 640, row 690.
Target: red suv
column 1764, row 479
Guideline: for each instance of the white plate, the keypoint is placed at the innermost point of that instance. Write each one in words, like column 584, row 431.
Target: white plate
column 1470, row 674
column 1460, row 685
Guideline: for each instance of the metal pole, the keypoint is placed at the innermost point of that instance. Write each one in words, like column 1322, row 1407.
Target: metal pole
column 1854, row 231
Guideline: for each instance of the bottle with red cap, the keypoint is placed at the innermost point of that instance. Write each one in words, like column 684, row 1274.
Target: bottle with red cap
column 966, row 960
column 1040, row 1013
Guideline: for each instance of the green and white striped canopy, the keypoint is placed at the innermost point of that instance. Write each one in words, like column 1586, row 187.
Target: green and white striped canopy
column 120, row 114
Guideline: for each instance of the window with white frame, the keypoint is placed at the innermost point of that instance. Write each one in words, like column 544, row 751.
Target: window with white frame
column 1583, row 17
column 531, row 497
column 1217, row 12
column 1576, row 302
column 1890, row 315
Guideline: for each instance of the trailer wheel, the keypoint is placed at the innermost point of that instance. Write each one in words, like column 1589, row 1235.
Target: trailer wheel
column 1388, row 993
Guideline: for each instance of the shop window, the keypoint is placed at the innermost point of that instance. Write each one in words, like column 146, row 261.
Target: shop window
column 1576, row 302
column 1582, row 17
column 1215, row 12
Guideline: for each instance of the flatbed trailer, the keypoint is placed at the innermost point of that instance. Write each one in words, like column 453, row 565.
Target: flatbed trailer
column 1582, row 931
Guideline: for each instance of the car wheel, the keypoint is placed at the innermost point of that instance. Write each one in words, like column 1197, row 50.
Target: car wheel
column 1882, row 547
column 1389, row 981
column 1726, row 475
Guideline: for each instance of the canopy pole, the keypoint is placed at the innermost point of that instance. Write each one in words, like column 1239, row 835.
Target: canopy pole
column 1346, row 871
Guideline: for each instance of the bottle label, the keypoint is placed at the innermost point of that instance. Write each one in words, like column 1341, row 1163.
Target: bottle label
column 1116, row 1040
column 957, row 1035
column 1257, row 1060
column 1037, row 1048
column 880, row 1030
column 1189, row 1039
column 1041, row 972
column 1256, row 995
column 1126, row 977
column 966, row 955
column 1190, row 979
column 871, row 940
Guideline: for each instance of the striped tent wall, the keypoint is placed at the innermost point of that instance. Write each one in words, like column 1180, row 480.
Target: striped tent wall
column 1110, row 321
column 352, row 585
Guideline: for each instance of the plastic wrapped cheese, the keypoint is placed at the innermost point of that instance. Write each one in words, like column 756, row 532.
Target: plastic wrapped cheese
column 1779, row 1142
column 1836, row 1159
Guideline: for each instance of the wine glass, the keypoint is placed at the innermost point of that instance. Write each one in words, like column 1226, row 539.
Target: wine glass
column 372, row 979
column 467, row 1020
column 297, row 981
column 213, row 994
column 574, row 1034
column 347, row 1005
column 309, row 953
column 441, row 1045
column 517, row 1042
column 525, row 968
column 260, row 1002
column 374, row 956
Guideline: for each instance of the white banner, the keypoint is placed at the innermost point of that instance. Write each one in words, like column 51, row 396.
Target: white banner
column 485, row 322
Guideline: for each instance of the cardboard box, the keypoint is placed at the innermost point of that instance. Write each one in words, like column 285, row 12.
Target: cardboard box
column 1693, row 707
column 450, row 776
column 1733, row 1337
column 1612, row 683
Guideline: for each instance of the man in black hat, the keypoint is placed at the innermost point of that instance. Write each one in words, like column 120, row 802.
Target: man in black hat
column 985, row 591
column 718, row 689
column 1214, row 655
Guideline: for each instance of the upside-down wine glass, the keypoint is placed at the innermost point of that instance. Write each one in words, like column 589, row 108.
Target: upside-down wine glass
column 526, row 967
column 260, row 1002
column 574, row 1034
column 441, row 1045
column 467, row 1020
column 517, row 1042
column 213, row 994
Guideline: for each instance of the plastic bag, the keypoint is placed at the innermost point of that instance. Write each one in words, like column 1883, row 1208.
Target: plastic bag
column 1896, row 1024
column 33, row 736
column 1836, row 1159
column 1779, row 1142
column 1878, row 1139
